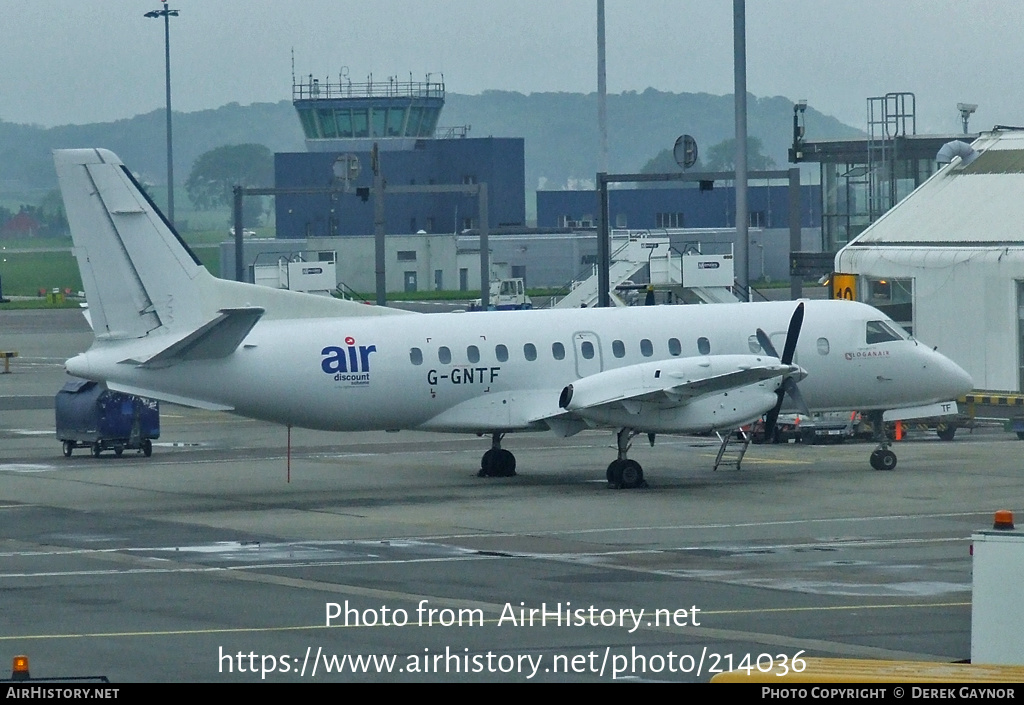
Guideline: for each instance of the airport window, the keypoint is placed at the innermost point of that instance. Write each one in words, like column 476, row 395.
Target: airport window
column 407, row 255
column 501, row 352
column 703, row 346
column 473, row 354
column 757, row 219
column 396, row 116
column 308, row 123
column 327, row 124
column 618, row 348
column 668, row 220
column 444, row 355
column 558, row 351
column 823, row 346
column 621, row 220
column 880, row 332
column 646, row 348
column 894, row 298
column 416, row 356
column 587, row 350
column 753, row 344
column 360, row 123
column 344, row 118
column 413, row 128
column 675, row 348
column 530, row 352
column 380, row 117
column 588, row 259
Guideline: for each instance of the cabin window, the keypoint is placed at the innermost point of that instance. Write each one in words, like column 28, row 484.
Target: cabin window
column 444, row 355
column 823, row 346
column 880, row 332
column 587, row 350
column 646, row 348
column 558, row 351
column 703, row 346
column 501, row 352
column 416, row 356
column 618, row 348
column 754, row 344
column 473, row 354
column 675, row 348
column 530, row 352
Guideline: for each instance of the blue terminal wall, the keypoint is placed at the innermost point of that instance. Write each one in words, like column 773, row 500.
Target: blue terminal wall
column 498, row 162
column 701, row 209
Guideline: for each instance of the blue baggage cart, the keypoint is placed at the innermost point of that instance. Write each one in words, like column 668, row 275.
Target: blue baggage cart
column 91, row 416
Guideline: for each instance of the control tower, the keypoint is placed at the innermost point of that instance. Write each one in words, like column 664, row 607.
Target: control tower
column 342, row 122
column 347, row 116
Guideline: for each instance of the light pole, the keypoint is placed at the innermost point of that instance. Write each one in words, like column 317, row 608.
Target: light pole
column 167, row 14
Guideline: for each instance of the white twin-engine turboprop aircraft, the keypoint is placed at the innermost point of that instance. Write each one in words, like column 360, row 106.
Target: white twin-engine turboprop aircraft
column 167, row 329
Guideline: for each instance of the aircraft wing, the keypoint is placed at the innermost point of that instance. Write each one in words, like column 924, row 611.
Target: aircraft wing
column 680, row 395
column 671, row 383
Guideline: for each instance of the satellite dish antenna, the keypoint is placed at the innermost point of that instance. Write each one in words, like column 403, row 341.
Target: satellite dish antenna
column 685, row 151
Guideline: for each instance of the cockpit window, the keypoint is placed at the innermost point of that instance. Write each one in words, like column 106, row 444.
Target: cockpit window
column 881, row 332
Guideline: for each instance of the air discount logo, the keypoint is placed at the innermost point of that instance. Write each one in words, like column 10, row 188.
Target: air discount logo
column 348, row 364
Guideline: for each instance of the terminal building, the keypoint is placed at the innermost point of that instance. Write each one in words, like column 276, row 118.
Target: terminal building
column 325, row 202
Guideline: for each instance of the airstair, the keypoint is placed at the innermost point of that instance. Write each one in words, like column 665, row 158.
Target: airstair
column 691, row 275
column 733, row 449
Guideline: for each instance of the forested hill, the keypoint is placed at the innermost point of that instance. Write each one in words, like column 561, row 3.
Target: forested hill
column 562, row 135
column 560, row 131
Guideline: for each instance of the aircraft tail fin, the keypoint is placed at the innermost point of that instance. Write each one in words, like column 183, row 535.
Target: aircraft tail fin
column 140, row 277
column 137, row 272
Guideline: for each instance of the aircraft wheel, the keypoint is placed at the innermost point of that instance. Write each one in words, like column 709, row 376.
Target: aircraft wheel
column 96, row 449
column 147, row 447
column 883, row 460
column 631, row 475
column 614, row 474
column 487, row 463
column 69, row 448
column 506, row 464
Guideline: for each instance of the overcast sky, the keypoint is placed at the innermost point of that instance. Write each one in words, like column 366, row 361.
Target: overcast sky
column 75, row 61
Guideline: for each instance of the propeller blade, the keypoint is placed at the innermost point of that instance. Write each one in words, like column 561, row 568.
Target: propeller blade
column 795, row 324
column 766, row 343
column 793, row 390
column 769, row 422
column 788, row 386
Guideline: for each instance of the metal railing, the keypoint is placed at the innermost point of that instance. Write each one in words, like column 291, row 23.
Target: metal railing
column 310, row 88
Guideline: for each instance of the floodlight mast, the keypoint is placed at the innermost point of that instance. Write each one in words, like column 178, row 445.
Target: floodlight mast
column 167, row 13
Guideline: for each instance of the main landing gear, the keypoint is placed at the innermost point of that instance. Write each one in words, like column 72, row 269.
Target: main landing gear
column 624, row 473
column 497, row 462
column 881, row 458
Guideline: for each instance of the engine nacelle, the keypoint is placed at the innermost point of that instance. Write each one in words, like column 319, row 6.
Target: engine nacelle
column 680, row 395
column 712, row 412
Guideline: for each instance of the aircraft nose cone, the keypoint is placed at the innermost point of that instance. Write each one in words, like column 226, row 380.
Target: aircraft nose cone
column 957, row 381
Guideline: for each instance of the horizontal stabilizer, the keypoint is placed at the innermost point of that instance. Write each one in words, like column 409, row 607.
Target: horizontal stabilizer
column 214, row 340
